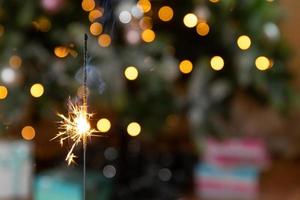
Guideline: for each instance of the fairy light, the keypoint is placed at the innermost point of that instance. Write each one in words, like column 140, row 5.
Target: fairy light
column 15, row 61
column 131, row 73
column 37, row 90
column 217, row 63
column 148, row 35
column 28, row 133
column 202, row 28
column 262, row 63
column 96, row 28
column 104, row 40
column 190, row 20
column 88, row 5
column 103, row 125
column 186, row 66
column 134, row 129
column 165, row 13
column 3, row 92
column 95, row 14
column 244, row 42
column 61, row 51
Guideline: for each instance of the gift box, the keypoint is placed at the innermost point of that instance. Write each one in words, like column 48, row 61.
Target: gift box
column 236, row 152
column 62, row 184
column 213, row 182
column 15, row 169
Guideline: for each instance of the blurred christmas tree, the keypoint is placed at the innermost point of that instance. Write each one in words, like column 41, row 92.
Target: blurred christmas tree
column 162, row 64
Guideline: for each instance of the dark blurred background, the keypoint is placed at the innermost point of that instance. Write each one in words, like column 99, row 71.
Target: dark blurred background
column 194, row 99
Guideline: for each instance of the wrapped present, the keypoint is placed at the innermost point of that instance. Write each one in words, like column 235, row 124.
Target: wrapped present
column 236, row 152
column 61, row 184
column 15, row 169
column 213, row 182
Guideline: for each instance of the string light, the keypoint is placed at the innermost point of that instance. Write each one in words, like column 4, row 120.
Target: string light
column 37, row 90
column 186, row 66
column 88, row 5
column 148, row 35
column 61, row 51
column 190, row 20
column 217, row 63
column 15, row 61
column 134, row 129
column 203, row 28
column 262, row 63
column 28, row 133
column 3, row 92
column 96, row 28
column 95, row 14
column 244, row 42
column 104, row 40
column 103, row 125
column 165, row 13
column 131, row 73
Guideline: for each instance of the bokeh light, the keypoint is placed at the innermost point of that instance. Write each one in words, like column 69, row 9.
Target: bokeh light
column 88, row 5
column 103, row 125
column 203, row 28
column 28, row 133
column 15, row 61
column 165, row 13
column 42, row 24
column 61, row 51
column 104, row 40
column 95, row 14
column 125, row 17
column 37, row 90
column 217, row 63
column 96, row 28
column 262, row 63
column 144, row 5
column 214, row 1
column 131, row 73
column 190, row 20
column 3, row 92
column 134, row 129
column 148, row 35
column 8, row 75
column 109, row 171
column 186, row 66
column 244, row 42
column 146, row 23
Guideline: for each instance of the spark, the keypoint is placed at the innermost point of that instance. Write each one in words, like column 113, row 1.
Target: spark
column 75, row 128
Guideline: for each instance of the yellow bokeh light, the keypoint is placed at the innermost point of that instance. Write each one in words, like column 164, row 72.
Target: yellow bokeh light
column 28, row 133
column 103, row 125
column 37, row 90
column 262, row 63
column 146, row 23
column 134, row 129
column 131, row 73
column 190, row 20
column 96, row 28
column 104, row 40
column 165, row 13
column 244, row 42
column 186, row 66
column 214, row 1
column 61, row 51
column 3, row 92
column 203, row 28
column 148, row 35
column 217, row 63
column 88, row 5
column 15, row 61
column 95, row 14
column 144, row 5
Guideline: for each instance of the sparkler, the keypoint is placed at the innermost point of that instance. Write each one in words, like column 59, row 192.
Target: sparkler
column 76, row 127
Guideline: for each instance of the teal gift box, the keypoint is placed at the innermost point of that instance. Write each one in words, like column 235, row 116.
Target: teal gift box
column 65, row 184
